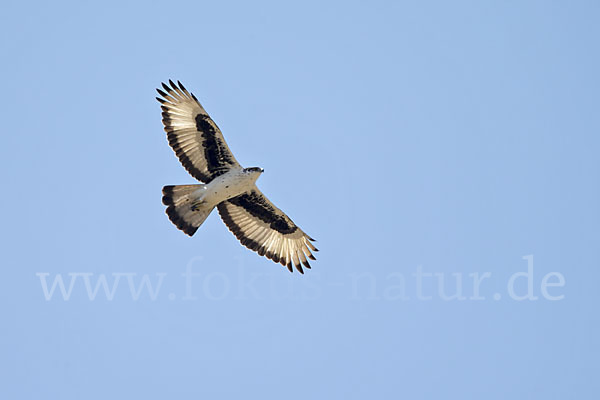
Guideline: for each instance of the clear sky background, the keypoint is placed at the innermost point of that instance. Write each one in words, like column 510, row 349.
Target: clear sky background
column 450, row 138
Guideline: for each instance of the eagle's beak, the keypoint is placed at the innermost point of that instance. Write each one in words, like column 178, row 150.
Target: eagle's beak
column 262, row 170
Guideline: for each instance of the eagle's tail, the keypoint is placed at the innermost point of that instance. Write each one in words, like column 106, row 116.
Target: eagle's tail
column 184, row 207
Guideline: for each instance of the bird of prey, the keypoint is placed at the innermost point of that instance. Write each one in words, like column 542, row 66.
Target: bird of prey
column 254, row 220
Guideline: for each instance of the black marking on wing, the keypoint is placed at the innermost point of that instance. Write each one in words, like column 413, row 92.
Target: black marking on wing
column 257, row 206
column 249, row 243
column 176, row 146
column 185, row 160
column 237, row 231
column 218, row 158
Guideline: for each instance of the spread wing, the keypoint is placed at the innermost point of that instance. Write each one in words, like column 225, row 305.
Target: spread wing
column 193, row 135
column 264, row 228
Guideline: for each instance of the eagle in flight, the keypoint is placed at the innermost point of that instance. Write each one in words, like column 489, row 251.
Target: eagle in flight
column 254, row 220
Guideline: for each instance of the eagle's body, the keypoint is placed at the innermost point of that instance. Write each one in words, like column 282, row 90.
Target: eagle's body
column 231, row 184
column 201, row 148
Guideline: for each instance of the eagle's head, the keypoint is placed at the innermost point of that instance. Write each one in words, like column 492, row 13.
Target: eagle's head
column 254, row 171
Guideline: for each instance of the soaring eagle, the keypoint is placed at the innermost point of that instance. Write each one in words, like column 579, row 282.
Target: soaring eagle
column 254, row 220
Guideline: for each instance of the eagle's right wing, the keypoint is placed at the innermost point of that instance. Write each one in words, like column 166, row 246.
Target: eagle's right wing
column 193, row 135
column 261, row 226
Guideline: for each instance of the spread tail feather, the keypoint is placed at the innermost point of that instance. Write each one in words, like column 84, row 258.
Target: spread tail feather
column 184, row 207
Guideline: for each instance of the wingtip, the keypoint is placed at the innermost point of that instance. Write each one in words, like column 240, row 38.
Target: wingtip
column 166, row 87
column 163, row 94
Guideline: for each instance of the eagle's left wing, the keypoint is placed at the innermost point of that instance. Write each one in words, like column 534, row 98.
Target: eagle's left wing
column 264, row 228
column 193, row 135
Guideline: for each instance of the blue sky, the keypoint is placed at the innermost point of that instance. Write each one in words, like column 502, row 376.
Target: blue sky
column 421, row 143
